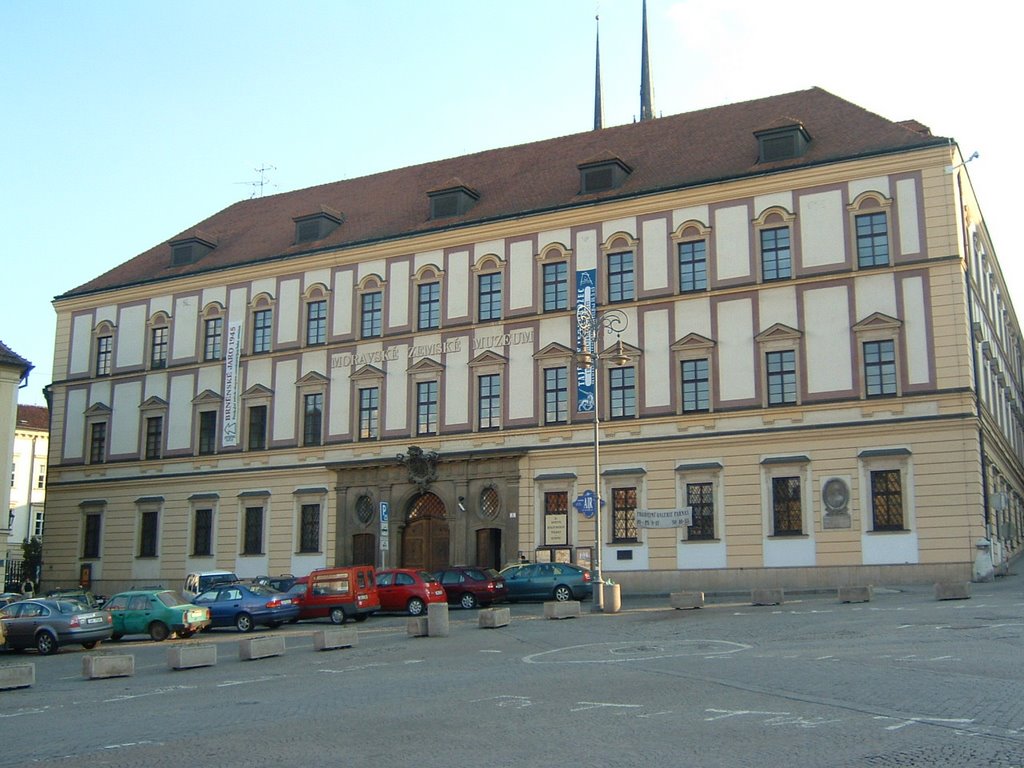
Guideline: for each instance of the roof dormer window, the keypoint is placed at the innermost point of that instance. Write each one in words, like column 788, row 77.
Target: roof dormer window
column 317, row 226
column 453, row 200
column 602, row 175
column 189, row 250
column 782, row 142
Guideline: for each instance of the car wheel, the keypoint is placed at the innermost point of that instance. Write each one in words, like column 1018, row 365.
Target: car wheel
column 338, row 616
column 468, row 600
column 416, row 607
column 243, row 622
column 562, row 593
column 46, row 643
column 158, row 631
column 90, row 645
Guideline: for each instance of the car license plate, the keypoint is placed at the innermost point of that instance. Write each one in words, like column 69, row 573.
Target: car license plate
column 94, row 620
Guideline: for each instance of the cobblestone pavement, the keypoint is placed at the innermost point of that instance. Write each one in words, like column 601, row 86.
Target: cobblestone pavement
column 904, row 680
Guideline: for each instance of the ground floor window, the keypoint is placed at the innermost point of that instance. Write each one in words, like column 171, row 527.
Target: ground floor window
column 887, row 500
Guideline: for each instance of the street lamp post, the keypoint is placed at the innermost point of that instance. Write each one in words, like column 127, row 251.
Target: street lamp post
column 590, row 324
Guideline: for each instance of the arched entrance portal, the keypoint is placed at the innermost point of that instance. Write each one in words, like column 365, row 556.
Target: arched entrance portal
column 425, row 538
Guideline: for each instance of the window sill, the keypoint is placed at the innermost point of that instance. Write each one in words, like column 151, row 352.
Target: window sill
column 788, row 536
column 899, row 532
column 701, row 541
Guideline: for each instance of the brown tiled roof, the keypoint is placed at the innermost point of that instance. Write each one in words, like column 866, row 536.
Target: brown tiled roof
column 33, row 417
column 9, row 357
column 668, row 153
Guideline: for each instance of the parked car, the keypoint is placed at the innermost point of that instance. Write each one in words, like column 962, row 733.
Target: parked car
column 548, row 581
column 47, row 624
column 10, row 597
column 201, row 581
column 281, row 583
column 79, row 595
column 471, row 586
column 340, row 594
column 157, row 613
column 244, row 606
column 408, row 590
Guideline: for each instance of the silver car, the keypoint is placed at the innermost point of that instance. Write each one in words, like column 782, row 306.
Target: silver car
column 47, row 624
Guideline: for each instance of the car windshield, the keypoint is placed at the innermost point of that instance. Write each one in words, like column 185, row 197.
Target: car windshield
column 170, row 599
column 69, row 606
column 427, row 577
column 261, row 591
column 491, row 573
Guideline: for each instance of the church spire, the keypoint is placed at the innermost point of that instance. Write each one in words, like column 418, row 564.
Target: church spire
column 646, row 89
column 598, row 106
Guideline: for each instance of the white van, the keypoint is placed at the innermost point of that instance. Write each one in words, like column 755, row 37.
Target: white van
column 197, row 583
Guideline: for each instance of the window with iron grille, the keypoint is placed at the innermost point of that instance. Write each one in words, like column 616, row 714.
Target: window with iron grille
column 620, row 276
column 202, row 533
column 556, row 517
column 490, row 503
column 693, row 266
column 556, row 395
column 154, row 437
column 489, row 298
column 316, row 322
column 207, row 432
column 98, row 442
column 426, row 408
column 262, row 330
column 622, row 386
column 700, row 497
column 213, row 339
column 91, row 544
column 369, row 413
column 556, row 286
column 880, row 368
column 312, row 418
column 147, row 533
column 429, row 306
column 489, row 401
column 872, row 240
column 309, row 538
column 104, row 352
column 787, row 512
column 776, row 259
column 695, row 385
column 372, row 320
column 781, row 377
column 887, row 500
column 624, row 515
column 257, row 435
column 158, row 348
column 364, row 509
column 252, row 543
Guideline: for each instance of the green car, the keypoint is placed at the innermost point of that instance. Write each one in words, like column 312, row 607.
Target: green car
column 155, row 612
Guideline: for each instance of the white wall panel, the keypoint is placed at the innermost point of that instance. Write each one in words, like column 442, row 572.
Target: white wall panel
column 909, row 214
column 656, row 360
column 428, row 258
column 216, row 294
column 874, row 184
column 344, row 300
column 267, row 285
column 340, row 403
column 874, row 292
column 316, row 277
column 398, row 294
column 457, row 284
column 732, row 251
column 777, row 305
column 626, row 224
column 396, row 401
column 520, row 275
column 238, row 311
column 161, row 304
column 131, row 336
column 692, row 316
column 289, row 310
column 285, row 376
column 185, row 327
column 258, row 370
column 124, row 420
column 74, row 428
column 655, row 250
column 827, row 340
column 586, row 256
column 822, row 236
column 775, row 200
column 519, row 388
column 107, row 312
column 81, row 345
column 916, row 330
column 211, row 377
column 179, row 412
column 693, row 213
column 735, row 350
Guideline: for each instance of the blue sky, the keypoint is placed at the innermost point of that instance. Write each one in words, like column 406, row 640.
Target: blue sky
column 127, row 121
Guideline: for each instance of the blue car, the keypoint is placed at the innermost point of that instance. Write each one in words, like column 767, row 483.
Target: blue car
column 547, row 581
column 245, row 606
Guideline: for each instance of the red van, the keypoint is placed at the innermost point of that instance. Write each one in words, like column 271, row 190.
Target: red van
column 338, row 593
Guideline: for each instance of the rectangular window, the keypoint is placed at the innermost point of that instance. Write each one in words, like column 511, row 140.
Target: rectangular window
column 252, row 543
column 887, row 500
column 623, row 392
column 369, row 413
column 776, row 260
column 262, row 330
column 556, row 286
column 309, row 536
column 154, row 437
column 207, row 432
column 104, row 352
column 37, row 521
column 212, row 346
column 158, row 348
column 41, row 477
column 202, row 533
column 372, row 314
column 693, row 266
column 489, row 401
column 695, row 386
column 880, row 368
column 147, row 533
column 98, row 442
column 312, row 419
column 787, row 515
column 623, row 514
column 316, row 322
column 556, row 396
column 91, row 545
column 872, row 240
column 426, row 408
column 700, row 497
column 781, row 377
column 257, row 428
column 429, row 306
column 620, row 276
column 489, row 296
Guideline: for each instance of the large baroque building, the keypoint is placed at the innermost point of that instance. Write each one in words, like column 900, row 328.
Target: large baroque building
column 820, row 362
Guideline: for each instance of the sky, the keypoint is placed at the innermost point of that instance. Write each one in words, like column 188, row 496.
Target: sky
column 125, row 122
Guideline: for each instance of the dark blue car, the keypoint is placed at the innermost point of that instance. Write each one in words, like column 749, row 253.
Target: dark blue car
column 245, row 606
column 547, row 581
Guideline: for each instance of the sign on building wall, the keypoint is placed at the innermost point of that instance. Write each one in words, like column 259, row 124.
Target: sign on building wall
column 232, row 353
column 664, row 518
column 586, row 314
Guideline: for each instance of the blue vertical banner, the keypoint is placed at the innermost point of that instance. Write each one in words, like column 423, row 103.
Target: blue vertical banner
column 586, row 336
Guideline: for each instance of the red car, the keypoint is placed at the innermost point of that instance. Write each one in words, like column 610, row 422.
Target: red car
column 408, row 590
column 470, row 586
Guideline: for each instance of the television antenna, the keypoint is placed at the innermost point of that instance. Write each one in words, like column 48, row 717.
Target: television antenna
column 260, row 184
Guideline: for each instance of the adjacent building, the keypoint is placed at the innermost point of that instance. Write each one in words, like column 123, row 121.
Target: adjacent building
column 14, row 371
column 807, row 368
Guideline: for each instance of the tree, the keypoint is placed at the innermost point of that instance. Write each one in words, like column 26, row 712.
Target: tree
column 32, row 554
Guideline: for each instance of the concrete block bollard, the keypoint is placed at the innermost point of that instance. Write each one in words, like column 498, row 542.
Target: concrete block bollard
column 192, row 655
column 260, row 647
column 567, row 609
column 855, row 594
column 767, row 597
column 17, row 676
column 96, row 667
column 953, row 590
column 416, row 626
column 338, row 637
column 437, row 620
column 681, row 600
column 492, row 618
